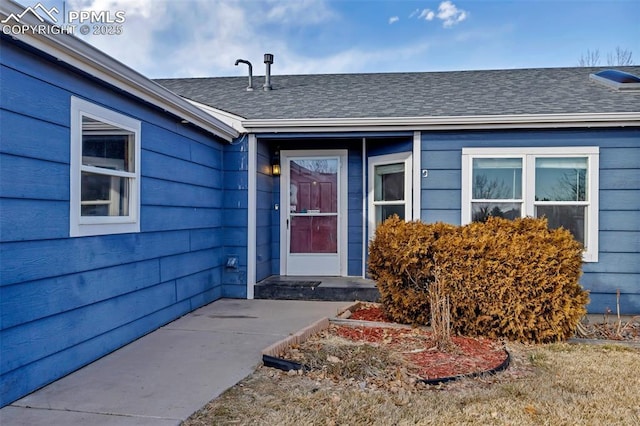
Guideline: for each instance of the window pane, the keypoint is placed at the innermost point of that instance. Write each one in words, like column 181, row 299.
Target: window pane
column 561, row 179
column 571, row 218
column 480, row 212
column 497, row 178
column 104, row 195
column 386, row 211
column 389, row 182
column 106, row 146
column 314, row 234
column 314, row 186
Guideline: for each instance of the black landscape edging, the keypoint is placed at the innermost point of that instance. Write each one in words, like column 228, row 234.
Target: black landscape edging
column 503, row 366
column 283, row 364
column 286, row 365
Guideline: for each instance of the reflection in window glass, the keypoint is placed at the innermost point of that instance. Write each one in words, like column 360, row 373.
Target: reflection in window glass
column 385, row 211
column 497, row 178
column 389, row 185
column 561, row 179
column 389, row 191
column 103, row 195
column 314, row 234
column 314, row 186
column 312, row 166
column 569, row 217
column 105, row 148
column 482, row 211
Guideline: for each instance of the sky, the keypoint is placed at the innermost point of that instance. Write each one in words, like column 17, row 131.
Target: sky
column 203, row 38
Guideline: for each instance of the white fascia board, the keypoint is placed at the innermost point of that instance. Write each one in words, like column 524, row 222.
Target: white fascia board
column 228, row 118
column 445, row 123
column 75, row 52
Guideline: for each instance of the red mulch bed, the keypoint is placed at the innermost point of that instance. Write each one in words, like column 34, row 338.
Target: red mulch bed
column 370, row 313
column 470, row 356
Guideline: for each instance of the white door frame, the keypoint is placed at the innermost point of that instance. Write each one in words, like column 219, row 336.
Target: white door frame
column 343, row 199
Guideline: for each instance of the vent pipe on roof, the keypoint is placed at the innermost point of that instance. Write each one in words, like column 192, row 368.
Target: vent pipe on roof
column 244, row 61
column 268, row 60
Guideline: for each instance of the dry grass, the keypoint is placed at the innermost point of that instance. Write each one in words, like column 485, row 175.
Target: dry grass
column 555, row 384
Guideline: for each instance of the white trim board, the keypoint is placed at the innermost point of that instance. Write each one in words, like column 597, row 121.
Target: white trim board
column 476, row 122
column 252, row 193
column 417, row 176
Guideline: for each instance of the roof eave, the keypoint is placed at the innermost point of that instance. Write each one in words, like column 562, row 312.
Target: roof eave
column 477, row 122
column 80, row 55
column 228, row 118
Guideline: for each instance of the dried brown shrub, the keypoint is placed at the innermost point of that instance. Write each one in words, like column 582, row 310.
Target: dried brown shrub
column 512, row 279
column 401, row 260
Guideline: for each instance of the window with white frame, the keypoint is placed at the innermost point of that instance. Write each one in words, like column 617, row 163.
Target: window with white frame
column 105, row 171
column 560, row 184
column 389, row 188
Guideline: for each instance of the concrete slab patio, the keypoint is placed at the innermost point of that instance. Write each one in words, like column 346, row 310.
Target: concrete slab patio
column 165, row 376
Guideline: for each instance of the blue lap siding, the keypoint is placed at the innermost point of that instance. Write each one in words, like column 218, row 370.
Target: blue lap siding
column 619, row 198
column 65, row 302
column 235, row 217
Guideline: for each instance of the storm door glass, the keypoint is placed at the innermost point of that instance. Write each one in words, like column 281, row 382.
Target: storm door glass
column 313, row 205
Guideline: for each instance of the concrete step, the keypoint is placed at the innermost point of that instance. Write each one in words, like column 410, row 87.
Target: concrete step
column 339, row 289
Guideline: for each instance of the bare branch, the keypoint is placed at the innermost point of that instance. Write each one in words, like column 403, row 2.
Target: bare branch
column 620, row 57
column 589, row 59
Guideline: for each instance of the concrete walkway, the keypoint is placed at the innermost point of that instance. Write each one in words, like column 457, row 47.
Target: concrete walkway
column 164, row 377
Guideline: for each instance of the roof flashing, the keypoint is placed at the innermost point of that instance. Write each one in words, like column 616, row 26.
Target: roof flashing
column 617, row 80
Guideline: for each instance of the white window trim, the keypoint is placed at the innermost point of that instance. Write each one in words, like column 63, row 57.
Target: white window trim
column 381, row 160
column 528, row 156
column 80, row 226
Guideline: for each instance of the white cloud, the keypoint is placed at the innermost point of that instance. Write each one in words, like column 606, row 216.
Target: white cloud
column 450, row 14
column 352, row 60
column 298, row 12
column 202, row 37
column 133, row 47
column 427, row 15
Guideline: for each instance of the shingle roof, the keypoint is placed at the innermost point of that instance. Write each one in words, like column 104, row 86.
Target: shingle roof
column 430, row 94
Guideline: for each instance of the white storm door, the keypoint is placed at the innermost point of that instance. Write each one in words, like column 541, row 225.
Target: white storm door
column 314, row 203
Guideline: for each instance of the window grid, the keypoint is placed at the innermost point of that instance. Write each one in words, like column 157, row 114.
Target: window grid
column 107, row 205
column 530, row 206
column 392, row 163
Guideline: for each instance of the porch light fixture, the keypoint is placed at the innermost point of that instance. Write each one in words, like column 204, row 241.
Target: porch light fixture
column 275, row 164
